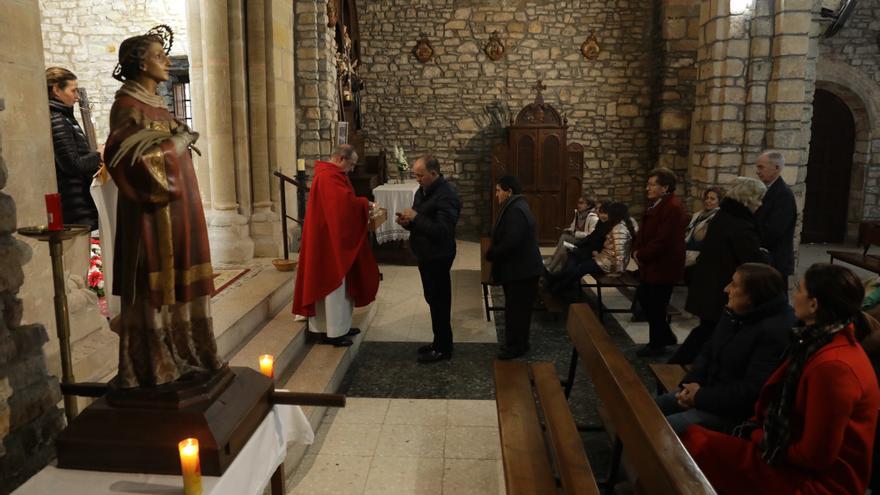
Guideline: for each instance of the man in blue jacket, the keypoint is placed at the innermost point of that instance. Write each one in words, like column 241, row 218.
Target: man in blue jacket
column 432, row 221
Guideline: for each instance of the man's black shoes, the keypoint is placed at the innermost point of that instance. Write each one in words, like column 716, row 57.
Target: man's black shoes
column 433, row 356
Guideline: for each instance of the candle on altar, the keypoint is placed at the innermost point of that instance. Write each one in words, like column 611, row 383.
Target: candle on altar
column 267, row 365
column 300, row 165
column 189, row 466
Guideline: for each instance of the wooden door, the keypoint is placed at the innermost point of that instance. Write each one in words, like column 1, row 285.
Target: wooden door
column 538, row 159
column 829, row 169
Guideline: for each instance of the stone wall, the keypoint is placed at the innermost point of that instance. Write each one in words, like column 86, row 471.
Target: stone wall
column 317, row 104
column 456, row 104
column 849, row 67
column 84, row 36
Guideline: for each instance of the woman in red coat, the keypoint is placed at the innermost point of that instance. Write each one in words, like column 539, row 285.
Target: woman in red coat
column 815, row 418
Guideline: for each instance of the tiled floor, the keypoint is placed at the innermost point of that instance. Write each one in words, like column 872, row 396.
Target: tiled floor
column 404, row 446
column 403, row 313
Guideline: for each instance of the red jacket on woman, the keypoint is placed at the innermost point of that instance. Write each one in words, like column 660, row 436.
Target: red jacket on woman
column 832, row 427
column 659, row 244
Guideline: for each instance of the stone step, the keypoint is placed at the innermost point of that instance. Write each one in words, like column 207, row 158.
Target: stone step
column 321, row 371
column 283, row 337
column 240, row 313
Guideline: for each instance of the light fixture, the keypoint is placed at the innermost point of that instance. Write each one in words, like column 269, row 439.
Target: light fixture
column 738, row 7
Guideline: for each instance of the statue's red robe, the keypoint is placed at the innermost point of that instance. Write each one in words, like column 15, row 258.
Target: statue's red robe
column 334, row 244
column 162, row 261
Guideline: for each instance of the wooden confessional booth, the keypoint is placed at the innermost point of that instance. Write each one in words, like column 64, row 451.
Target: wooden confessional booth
column 550, row 169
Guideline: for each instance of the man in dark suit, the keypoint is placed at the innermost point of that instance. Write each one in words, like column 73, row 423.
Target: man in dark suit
column 659, row 251
column 777, row 215
column 432, row 221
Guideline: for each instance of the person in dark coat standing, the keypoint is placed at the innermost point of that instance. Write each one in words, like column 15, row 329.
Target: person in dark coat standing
column 432, row 221
column 731, row 240
column 720, row 389
column 659, row 251
column 516, row 264
column 777, row 215
column 75, row 163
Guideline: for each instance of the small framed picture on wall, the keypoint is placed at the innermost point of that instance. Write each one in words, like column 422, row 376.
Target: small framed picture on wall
column 341, row 133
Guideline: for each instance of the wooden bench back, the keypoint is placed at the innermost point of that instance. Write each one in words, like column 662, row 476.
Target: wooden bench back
column 869, row 234
column 650, row 444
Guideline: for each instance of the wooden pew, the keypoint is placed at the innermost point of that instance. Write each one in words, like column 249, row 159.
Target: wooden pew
column 627, row 282
column 668, row 376
column 528, row 452
column 869, row 235
column 650, row 446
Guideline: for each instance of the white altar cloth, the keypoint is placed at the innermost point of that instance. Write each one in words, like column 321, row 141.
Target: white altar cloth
column 248, row 474
column 395, row 198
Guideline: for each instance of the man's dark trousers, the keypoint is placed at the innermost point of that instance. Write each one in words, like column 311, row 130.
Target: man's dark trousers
column 519, row 299
column 437, row 286
column 654, row 299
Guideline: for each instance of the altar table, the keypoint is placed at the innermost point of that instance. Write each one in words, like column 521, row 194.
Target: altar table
column 395, row 198
column 249, row 473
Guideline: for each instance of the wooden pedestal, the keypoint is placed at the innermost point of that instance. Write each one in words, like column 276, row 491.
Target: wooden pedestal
column 135, row 435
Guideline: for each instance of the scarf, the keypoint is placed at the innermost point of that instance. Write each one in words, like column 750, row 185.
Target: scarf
column 136, row 91
column 777, row 429
column 581, row 219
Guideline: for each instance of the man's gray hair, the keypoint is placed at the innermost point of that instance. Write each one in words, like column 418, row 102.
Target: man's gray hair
column 346, row 151
column 775, row 157
column 747, row 191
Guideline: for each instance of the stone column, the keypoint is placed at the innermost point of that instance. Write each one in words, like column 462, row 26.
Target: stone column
column 281, row 100
column 197, row 92
column 227, row 229
column 29, row 416
column 718, row 128
column 239, row 93
column 264, row 222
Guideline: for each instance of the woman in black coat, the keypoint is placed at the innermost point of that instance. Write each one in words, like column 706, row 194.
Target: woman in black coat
column 75, row 163
column 516, row 264
column 731, row 240
column 748, row 344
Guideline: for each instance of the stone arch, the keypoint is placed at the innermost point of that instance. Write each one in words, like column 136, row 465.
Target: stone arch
column 862, row 96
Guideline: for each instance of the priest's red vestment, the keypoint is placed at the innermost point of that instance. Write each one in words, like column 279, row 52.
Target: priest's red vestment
column 334, row 243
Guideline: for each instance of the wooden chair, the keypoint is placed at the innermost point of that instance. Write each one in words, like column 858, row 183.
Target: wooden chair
column 529, row 452
column 660, row 462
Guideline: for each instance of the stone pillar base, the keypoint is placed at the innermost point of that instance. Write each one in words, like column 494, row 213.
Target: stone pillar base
column 266, row 233
column 229, row 236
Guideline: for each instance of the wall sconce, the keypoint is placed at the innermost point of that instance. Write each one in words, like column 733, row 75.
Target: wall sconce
column 590, row 47
column 423, row 51
column 494, row 48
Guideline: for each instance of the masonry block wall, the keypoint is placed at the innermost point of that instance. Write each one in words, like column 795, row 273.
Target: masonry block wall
column 456, row 105
column 84, row 36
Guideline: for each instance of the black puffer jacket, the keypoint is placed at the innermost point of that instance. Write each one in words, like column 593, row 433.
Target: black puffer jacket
column 742, row 354
column 433, row 230
column 514, row 251
column 75, row 165
column 731, row 240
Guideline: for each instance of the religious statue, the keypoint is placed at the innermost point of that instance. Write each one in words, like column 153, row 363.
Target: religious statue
column 345, row 67
column 162, row 261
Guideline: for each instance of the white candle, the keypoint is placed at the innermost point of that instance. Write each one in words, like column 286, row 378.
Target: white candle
column 267, row 365
column 190, row 467
column 301, row 165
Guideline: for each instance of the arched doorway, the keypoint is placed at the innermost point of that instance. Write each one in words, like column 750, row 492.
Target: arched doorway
column 829, row 170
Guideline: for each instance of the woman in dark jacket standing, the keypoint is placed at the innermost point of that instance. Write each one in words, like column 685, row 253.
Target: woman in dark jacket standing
column 516, row 264
column 731, row 240
column 75, row 163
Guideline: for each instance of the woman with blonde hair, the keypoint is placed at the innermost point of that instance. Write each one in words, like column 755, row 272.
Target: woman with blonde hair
column 731, row 240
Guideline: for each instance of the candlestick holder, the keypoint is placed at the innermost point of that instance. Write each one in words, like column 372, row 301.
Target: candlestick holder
column 55, row 238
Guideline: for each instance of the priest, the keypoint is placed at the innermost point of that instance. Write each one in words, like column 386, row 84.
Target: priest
column 337, row 270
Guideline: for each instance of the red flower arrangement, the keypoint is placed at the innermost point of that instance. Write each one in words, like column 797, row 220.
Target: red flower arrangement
column 96, row 275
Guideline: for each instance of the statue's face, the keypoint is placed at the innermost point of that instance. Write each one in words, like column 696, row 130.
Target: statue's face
column 155, row 64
